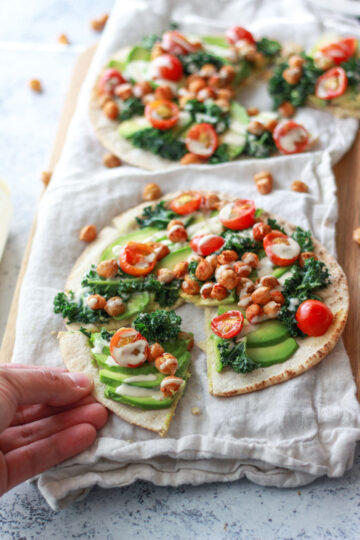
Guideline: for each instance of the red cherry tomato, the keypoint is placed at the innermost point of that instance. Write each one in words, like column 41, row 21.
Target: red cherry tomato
column 332, row 84
column 109, row 80
column 205, row 244
column 137, row 259
column 237, row 33
column 186, row 203
column 202, row 140
column 175, row 43
column 228, row 325
column 162, row 113
column 314, row 317
column 340, row 51
column 281, row 249
column 290, row 137
column 167, row 67
column 238, row 215
column 123, row 337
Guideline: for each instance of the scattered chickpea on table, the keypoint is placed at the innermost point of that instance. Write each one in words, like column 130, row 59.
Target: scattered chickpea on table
column 88, row 233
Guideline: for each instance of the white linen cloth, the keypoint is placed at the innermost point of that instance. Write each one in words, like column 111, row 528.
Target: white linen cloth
column 286, row 435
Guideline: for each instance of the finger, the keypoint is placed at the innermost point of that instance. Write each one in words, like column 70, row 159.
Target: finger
column 28, row 366
column 28, row 461
column 16, row 437
column 31, row 413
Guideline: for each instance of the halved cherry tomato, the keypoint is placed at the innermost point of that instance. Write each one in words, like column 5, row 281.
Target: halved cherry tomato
column 202, row 140
column 290, row 137
column 186, row 203
column 314, row 317
column 238, row 215
column 175, row 43
column 332, row 84
column 238, row 33
column 123, row 337
column 162, row 113
column 340, row 51
column 167, row 67
column 228, row 325
column 109, row 80
column 282, row 250
column 137, row 259
column 205, row 244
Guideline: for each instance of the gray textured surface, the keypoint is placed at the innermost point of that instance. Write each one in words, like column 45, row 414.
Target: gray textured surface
column 327, row 509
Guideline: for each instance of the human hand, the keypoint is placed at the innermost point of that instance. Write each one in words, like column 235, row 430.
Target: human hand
column 46, row 416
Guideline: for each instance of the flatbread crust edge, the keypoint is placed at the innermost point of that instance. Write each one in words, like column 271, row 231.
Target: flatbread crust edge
column 77, row 357
column 337, row 110
column 311, row 351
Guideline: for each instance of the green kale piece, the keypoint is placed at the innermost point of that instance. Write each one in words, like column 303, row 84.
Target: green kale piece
column 352, row 70
column 77, row 311
column 192, row 268
column 260, row 146
column 268, row 47
column 86, row 332
column 105, row 335
column 221, row 155
column 240, row 243
column 234, row 355
column 194, row 61
column 132, row 106
column 156, row 216
column 166, row 294
column 149, row 41
column 161, row 325
column 304, row 239
column 210, row 113
column 275, row 225
column 161, row 143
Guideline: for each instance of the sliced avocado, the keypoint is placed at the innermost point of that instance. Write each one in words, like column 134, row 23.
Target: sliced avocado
column 140, row 235
column 198, row 301
column 138, row 302
column 138, row 53
column 116, row 64
column 273, row 354
column 218, row 364
column 238, row 113
column 171, row 260
column 219, row 41
column 281, row 270
column 142, row 370
column 129, row 127
column 115, row 379
column 139, row 402
column 179, row 349
column 268, row 333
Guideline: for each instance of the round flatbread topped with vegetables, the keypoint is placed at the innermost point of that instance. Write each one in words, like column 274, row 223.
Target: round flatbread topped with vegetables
column 275, row 300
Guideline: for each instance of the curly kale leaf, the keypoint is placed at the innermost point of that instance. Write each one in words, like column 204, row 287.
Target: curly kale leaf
column 158, row 326
column 352, row 70
column 268, row 47
column 149, row 41
column 84, row 331
column 260, row 146
column 210, row 113
column 156, row 216
column 234, row 355
column 105, row 335
column 132, row 106
column 280, row 90
column 194, row 61
column 77, row 311
column 166, row 294
column 275, row 225
column 304, row 239
column 161, row 143
column 239, row 242
column 192, row 268
column 221, row 155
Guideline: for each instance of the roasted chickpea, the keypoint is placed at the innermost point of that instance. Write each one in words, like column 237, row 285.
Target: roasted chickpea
column 196, row 85
column 264, row 186
column 205, row 93
column 190, row 159
column 180, row 269
column 156, row 350
column 299, row 186
column 110, row 161
column 256, row 128
column 151, row 192
column 99, row 23
column 212, row 260
column 141, row 89
column 356, row 235
column 286, row 109
column 207, row 70
column 269, row 281
column 323, row 62
column 241, row 269
column 227, row 256
column 251, row 259
column 156, row 51
column 227, row 73
column 252, row 111
column 292, row 75
column 278, row 297
column 111, row 110
column 260, row 230
column 244, row 286
column 206, row 289
column 193, row 77
column 46, row 177
column 107, row 269
column 225, row 93
column 296, row 61
column 88, row 233
column 164, row 92
column 165, row 275
column 63, row 39
column 170, row 385
column 271, row 309
column 161, row 250
column 115, row 306
column 178, row 234
column 306, row 255
column 224, row 104
column 95, row 301
column 218, row 292
column 228, row 279
column 35, row 85
column 103, row 99
column 190, row 286
column 270, row 126
column 259, row 59
column 254, row 313
column 148, row 98
column 174, row 222
column 261, row 295
column 210, row 202
column 166, row 363
column 215, row 81
column 204, row 270
column 124, row 91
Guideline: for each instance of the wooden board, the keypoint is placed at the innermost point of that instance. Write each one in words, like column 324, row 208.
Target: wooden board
column 348, row 181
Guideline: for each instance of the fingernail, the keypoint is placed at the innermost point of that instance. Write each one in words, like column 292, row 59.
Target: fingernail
column 80, row 379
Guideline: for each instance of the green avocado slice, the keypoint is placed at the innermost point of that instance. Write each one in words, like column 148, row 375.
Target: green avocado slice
column 281, row 270
column 268, row 333
column 171, row 260
column 273, row 354
column 138, row 302
column 115, row 379
column 129, row 127
column 138, row 53
column 139, row 402
column 219, row 41
column 199, row 301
